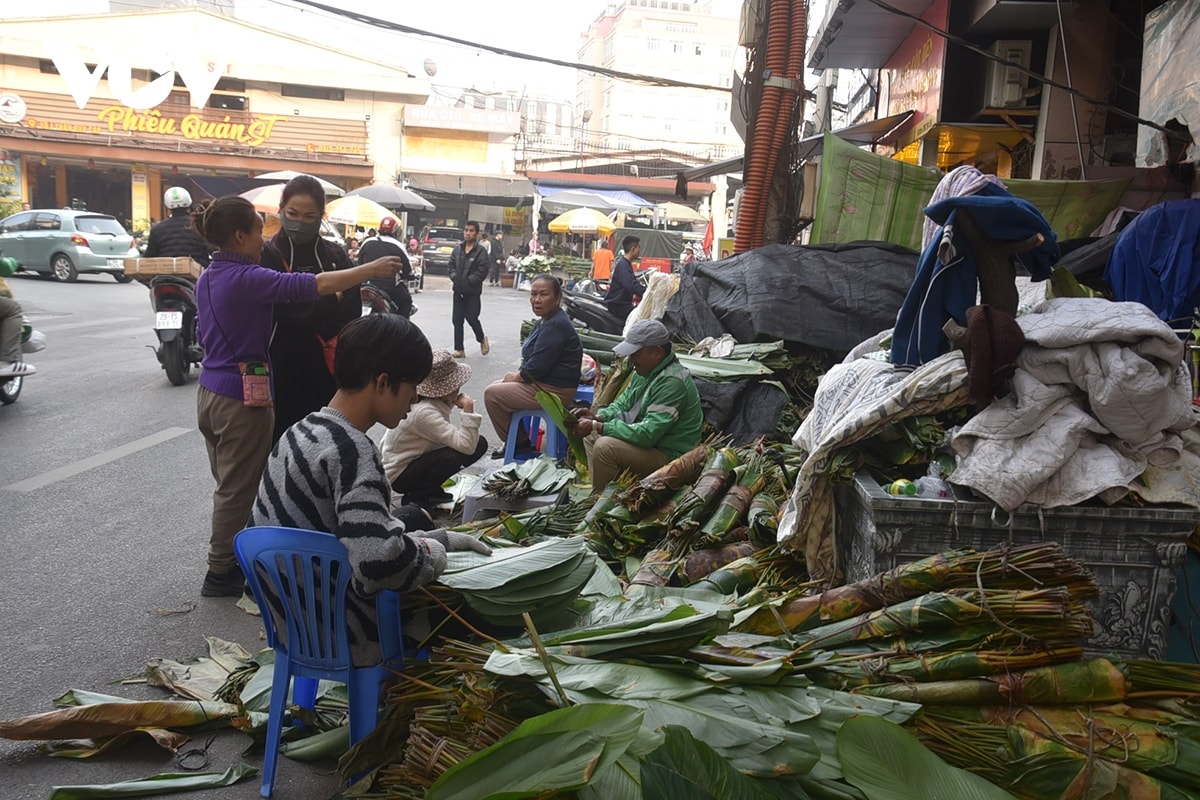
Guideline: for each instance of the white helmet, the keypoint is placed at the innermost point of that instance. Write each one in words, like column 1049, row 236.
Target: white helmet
column 177, row 197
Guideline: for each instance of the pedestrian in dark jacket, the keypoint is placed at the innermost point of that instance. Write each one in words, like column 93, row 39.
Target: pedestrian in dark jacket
column 469, row 267
column 305, row 333
column 176, row 236
column 623, row 286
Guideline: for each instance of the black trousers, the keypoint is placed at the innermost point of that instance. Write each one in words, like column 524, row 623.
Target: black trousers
column 423, row 478
column 466, row 309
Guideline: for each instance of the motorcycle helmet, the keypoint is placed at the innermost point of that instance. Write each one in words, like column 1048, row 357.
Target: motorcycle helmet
column 412, row 243
column 177, row 197
column 388, row 225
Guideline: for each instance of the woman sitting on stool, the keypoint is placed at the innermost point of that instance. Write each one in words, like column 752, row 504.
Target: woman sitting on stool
column 426, row 448
column 550, row 357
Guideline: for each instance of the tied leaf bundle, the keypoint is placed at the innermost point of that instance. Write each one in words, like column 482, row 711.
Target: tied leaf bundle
column 717, row 475
column 1040, row 564
column 730, row 512
column 665, row 481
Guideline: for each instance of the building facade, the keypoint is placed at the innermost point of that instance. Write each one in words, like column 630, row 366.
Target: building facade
column 108, row 127
column 693, row 42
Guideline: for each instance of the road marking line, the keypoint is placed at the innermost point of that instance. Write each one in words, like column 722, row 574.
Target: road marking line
column 100, row 459
column 51, row 327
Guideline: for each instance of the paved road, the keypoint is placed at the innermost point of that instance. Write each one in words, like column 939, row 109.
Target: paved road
column 104, row 509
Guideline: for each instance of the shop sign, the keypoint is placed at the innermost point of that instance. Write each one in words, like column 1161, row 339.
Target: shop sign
column 456, row 118
column 198, row 73
column 12, row 108
column 10, row 179
column 915, row 74
column 514, row 217
column 192, row 127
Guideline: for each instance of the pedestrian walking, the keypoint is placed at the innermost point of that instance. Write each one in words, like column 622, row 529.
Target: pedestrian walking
column 469, row 267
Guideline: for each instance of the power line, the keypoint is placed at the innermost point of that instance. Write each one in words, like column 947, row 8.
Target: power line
column 611, row 73
column 961, row 42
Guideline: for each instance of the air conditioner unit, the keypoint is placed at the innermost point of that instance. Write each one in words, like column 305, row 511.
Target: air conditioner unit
column 1006, row 85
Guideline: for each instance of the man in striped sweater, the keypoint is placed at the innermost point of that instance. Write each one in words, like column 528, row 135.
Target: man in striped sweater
column 326, row 474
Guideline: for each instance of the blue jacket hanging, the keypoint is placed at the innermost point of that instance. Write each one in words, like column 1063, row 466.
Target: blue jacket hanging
column 1155, row 261
column 947, row 281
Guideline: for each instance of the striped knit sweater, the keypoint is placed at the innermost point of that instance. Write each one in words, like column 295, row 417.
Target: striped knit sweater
column 326, row 475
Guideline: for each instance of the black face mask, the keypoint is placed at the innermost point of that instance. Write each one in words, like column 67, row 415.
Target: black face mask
column 300, row 231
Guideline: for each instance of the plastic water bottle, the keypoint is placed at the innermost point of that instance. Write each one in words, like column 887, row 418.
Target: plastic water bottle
column 932, row 485
column 902, row 487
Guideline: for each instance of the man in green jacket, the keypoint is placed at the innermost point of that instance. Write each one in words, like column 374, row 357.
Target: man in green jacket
column 656, row 419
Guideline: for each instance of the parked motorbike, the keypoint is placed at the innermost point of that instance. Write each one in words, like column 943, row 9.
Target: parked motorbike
column 174, row 300
column 31, row 340
column 585, row 304
column 377, row 300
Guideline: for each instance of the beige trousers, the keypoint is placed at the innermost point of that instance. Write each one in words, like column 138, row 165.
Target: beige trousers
column 238, row 439
column 502, row 399
column 608, row 457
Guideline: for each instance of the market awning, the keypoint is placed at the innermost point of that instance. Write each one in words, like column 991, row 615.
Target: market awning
column 557, row 199
column 496, row 191
column 862, row 133
column 861, row 35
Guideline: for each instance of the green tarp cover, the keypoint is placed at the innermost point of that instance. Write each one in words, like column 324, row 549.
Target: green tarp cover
column 866, row 196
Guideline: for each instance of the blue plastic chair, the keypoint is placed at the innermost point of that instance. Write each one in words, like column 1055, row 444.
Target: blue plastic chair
column 309, row 572
column 554, row 441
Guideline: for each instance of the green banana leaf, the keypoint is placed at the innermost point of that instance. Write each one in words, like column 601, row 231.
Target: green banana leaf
column 82, row 697
column 722, row 369
column 332, row 743
column 470, row 571
column 86, row 748
column 557, row 751
column 886, row 762
column 110, row 719
column 552, row 404
column 168, row 783
column 685, row 767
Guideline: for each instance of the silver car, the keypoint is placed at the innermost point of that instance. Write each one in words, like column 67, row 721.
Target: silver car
column 67, row 243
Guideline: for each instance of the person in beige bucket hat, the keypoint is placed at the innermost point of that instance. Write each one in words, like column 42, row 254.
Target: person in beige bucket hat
column 427, row 447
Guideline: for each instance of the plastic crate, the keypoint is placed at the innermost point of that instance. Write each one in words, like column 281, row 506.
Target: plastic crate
column 1133, row 552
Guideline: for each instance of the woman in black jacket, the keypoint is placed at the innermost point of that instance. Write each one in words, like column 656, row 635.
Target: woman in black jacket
column 305, row 333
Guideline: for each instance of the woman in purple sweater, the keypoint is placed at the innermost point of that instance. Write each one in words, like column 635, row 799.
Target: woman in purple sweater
column 234, row 297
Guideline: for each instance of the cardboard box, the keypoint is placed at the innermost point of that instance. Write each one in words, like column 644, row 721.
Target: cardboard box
column 146, row 268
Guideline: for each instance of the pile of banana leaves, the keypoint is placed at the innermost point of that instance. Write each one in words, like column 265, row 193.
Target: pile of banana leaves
column 536, row 476
column 960, row 673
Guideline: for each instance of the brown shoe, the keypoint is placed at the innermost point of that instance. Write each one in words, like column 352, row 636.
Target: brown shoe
column 485, row 346
column 459, row 354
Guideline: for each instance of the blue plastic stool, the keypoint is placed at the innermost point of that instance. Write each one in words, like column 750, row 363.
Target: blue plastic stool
column 309, row 572
column 554, row 441
column 586, row 393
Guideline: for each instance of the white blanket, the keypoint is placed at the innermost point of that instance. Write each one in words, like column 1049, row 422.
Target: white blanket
column 1100, row 392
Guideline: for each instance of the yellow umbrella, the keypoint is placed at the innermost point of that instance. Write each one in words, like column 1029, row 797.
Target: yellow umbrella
column 356, row 210
column 265, row 198
column 582, row 220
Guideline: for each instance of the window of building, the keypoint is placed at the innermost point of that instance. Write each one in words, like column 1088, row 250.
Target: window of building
column 531, row 110
column 228, row 102
column 726, row 51
column 676, row 47
column 511, row 105
column 312, row 92
column 722, row 129
column 699, row 50
column 653, row 45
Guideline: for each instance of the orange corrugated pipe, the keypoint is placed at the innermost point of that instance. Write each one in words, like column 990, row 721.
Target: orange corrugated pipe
column 780, row 131
column 760, row 161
